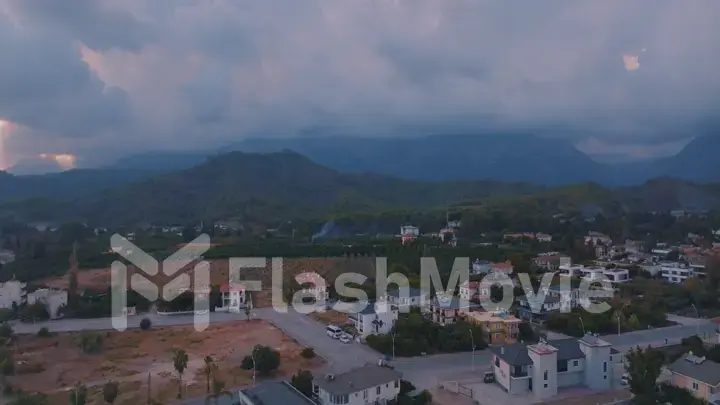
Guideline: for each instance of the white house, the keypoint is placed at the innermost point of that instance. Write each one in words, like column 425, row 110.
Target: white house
column 675, row 272
column 405, row 299
column 542, row 368
column 409, row 230
column 233, row 298
column 52, row 299
column 12, row 292
column 597, row 238
column 270, row 392
column 313, row 285
column 373, row 318
column 543, row 237
column 473, row 290
column 370, row 384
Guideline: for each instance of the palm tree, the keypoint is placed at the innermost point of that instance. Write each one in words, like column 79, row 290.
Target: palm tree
column 110, row 391
column 218, row 390
column 209, row 371
column 78, row 395
column 180, row 362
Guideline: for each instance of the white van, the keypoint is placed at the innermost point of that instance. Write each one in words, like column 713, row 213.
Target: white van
column 334, row 331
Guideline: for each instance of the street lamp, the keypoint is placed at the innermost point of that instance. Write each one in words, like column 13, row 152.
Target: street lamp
column 472, row 341
column 582, row 324
column 393, row 341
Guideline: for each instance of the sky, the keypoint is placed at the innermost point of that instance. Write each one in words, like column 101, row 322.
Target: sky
column 98, row 79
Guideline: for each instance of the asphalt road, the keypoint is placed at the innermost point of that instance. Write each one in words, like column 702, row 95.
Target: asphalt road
column 424, row 372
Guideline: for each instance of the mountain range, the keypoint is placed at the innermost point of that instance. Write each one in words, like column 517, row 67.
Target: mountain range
column 280, row 186
column 505, row 157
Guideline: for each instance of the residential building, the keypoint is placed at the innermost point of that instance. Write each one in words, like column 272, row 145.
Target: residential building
column 634, row 246
column 698, row 375
column 502, row 267
column 54, row 300
column 498, row 328
column 449, row 311
column 676, row 272
column 473, row 291
column 481, row 267
column 6, row 256
column 598, row 238
column 312, row 285
column 266, row 393
column 374, row 317
column 543, row 368
column 569, row 297
column 601, row 251
column 551, row 263
column 615, row 276
column 571, row 270
column 409, row 230
column 538, row 312
column 408, row 298
column 654, row 269
column 543, row 237
column 233, row 298
column 12, row 292
column 370, row 384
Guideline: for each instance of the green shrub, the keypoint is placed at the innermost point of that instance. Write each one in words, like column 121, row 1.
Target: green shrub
column 307, row 353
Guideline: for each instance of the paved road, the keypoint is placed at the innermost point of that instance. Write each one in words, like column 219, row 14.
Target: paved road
column 424, row 372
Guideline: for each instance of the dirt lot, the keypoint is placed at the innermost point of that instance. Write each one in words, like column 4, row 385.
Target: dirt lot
column 56, row 363
column 330, row 268
column 330, row 317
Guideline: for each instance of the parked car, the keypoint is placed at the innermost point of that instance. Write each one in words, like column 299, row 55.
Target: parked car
column 345, row 338
column 625, row 379
column 334, row 331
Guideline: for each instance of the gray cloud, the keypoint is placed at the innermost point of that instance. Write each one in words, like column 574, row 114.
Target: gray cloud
column 183, row 73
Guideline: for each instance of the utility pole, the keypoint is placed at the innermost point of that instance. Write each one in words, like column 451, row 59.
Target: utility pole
column 472, row 341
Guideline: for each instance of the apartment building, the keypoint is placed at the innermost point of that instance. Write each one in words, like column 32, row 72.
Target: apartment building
column 676, row 272
column 449, row 311
column 374, row 317
column 535, row 311
column 498, row 328
column 267, row 393
column 598, row 238
column 313, row 286
column 370, row 384
column 405, row 299
column 551, row 262
column 698, row 375
column 474, row 291
column 543, row 368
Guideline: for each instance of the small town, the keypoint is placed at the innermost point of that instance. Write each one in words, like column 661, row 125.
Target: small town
column 407, row 346
column 386, row 202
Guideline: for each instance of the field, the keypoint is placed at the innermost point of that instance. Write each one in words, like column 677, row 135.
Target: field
column 130, row 358
column 329, row 268
column 330, row 317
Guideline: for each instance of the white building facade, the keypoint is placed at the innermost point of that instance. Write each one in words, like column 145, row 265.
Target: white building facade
column 54, row 300
column 374, row 318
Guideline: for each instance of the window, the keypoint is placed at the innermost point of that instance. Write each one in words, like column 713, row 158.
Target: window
column 365, row 394
column 695, row 386
column 575, row 363
column 378, row 389
column 545, row 375
column 604, row 366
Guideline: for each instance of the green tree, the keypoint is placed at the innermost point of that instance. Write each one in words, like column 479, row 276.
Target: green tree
column 35, row 312
column 180, row 362
column 218, row 391
column 302, row 381
column 110, row 391
column 644, row 367
column 266, row 360
column 6, row 331
column 78, row 395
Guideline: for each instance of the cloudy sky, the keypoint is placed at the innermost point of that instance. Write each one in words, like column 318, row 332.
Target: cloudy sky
column 103, row 78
